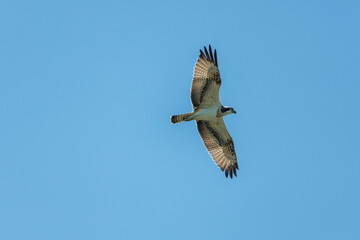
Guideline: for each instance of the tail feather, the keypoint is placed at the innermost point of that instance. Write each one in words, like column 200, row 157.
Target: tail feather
column 181, row 118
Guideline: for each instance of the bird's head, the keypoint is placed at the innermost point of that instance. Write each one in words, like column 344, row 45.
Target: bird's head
column 227, row 110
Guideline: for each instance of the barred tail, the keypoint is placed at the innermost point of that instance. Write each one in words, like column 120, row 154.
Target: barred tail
column 180, row 118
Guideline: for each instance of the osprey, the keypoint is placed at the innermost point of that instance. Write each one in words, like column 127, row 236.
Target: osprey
column 208, row 112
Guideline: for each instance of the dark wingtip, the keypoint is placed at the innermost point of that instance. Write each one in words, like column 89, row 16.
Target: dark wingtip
column 211, row 54
column 207, row 54
column 215, row 58
column 201, row 54
column 231, row 171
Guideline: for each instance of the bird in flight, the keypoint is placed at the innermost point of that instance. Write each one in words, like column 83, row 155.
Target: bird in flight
column 208, row 112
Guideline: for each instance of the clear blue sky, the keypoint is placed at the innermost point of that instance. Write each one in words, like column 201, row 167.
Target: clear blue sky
column 87, row 150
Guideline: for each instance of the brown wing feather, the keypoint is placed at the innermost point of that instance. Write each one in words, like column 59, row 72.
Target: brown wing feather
column 219, row 144
column 206, row 80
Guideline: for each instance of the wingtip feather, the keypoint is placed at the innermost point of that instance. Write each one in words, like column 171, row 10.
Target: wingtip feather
column 207, row 54
column 229, row 171
column 211, row 54
column 201, row 53
column 216, row 64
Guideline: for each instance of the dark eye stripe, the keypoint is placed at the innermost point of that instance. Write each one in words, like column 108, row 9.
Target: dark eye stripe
column 225, row 109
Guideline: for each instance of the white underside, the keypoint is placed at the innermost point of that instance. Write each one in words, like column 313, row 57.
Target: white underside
column 208, row 114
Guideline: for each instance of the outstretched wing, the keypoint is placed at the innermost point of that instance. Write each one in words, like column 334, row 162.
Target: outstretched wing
column 219, row 144
column 206, row 80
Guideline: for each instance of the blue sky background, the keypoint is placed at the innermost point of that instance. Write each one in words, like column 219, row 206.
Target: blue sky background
column 87, row 150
